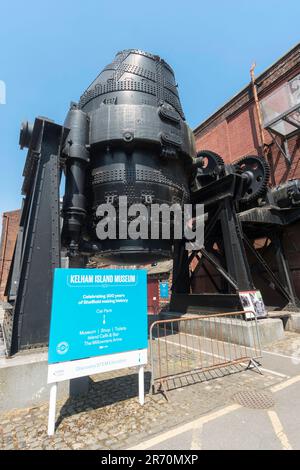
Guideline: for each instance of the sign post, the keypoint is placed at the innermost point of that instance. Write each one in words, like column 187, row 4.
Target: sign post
column 141, row 386
column 52, row 409
column 98, row 324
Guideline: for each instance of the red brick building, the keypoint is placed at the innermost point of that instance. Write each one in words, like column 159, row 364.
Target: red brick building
column 234, row 131
column 157, row 274
column 10, row 226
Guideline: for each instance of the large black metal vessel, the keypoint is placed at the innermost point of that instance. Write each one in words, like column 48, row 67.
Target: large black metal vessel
column 128, row 137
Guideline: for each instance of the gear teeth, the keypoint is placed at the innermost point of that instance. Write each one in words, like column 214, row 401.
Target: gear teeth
column 214, row 161
column 265, row 173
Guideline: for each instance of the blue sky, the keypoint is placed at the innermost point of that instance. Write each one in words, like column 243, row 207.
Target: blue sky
column 52, row 50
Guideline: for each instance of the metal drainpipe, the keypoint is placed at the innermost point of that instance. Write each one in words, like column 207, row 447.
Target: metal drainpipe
column 260, row 123
column 4, row 243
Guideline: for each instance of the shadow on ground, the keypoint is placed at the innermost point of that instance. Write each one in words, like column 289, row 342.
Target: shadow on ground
column 103, row 393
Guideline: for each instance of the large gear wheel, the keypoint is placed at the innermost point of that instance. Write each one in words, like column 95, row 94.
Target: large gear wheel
column 211, row 163
column 256, row 172
column 207, row 168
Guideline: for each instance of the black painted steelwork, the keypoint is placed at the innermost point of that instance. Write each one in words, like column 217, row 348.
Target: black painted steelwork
column 240, row 208
column 127, row 136
column 38, row 252
column 219, row 192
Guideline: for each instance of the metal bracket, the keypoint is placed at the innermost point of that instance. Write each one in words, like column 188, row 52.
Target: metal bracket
column 284, row 151
column 254, row 365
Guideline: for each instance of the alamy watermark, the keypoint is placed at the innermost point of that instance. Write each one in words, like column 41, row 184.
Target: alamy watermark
column 151, row 222
column 2, row 92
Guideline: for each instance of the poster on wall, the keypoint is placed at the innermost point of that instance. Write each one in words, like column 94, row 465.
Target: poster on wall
column 252, row 301
column 164, row 290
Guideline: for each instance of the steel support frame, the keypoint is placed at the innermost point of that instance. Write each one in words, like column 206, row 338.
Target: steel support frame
column 235, row 271
column 235, row 254
column 285, row 273
column 38, row 250
column 283, row 281
column 284, row 151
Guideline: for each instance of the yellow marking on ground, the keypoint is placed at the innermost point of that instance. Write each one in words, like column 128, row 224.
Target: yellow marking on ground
column 287, row 383
column 196, row 438
column 280, row 434
column 197, row 423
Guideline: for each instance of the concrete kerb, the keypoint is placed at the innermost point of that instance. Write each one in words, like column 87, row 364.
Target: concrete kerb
column 293, row 323
column 234, row 330
column 23, row 381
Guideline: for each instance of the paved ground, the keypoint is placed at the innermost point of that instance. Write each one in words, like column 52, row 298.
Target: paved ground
column 236, row 427
column 197, row 415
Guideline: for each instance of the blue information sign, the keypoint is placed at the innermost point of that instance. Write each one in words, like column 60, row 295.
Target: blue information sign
column 97, row 312
column 164, row 290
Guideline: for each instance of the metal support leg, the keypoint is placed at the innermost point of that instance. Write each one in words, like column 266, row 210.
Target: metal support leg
column 181, row 272
column 141, row 386
column 285, row 273
column 52, row 409
column 236, row 259
column 253, row 364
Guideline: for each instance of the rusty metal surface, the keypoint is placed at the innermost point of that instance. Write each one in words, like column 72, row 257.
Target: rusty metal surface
column 255, row 399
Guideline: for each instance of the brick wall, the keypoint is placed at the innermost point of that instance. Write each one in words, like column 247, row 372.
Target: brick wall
column 237, row 136
column 10, row 225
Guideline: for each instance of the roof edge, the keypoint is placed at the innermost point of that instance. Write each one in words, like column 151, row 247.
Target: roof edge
column 240, row 93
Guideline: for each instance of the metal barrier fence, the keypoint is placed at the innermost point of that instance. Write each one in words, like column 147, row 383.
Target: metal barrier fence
column 182, row 347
